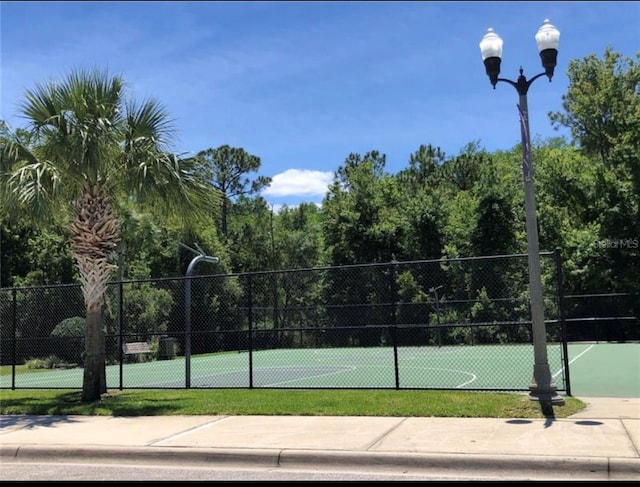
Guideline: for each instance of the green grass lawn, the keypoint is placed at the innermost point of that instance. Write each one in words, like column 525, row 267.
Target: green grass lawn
column 20, row 369
column 268, row 402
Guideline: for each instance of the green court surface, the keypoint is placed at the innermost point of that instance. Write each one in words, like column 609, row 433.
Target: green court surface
column 604, row 369
column 596, row 370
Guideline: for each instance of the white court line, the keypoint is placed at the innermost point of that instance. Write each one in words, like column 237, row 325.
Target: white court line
column 346, row 369
column 574, row 359
column 580, row 354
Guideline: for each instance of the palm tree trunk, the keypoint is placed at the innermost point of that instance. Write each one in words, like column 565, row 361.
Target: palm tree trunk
column 94, row 381
column 95, row 235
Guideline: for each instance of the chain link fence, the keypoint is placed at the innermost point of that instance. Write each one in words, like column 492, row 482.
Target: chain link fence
column 419, row 325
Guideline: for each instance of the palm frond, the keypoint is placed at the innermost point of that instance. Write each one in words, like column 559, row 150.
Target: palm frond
column 41, row 107
column 85, row 130
column 12, row 152
column 170, row 184
column 77, row 122
column 151, row 173
column 33, row 186
column 147, row 135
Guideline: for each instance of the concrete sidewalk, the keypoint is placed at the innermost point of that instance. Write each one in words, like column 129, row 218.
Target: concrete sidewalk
column 600, row 443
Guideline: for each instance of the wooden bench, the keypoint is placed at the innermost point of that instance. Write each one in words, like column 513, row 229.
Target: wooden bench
column 136, row 347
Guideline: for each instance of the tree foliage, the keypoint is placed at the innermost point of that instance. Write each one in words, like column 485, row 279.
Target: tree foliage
column 87, row 146
column 226, row 169
column 437, row 207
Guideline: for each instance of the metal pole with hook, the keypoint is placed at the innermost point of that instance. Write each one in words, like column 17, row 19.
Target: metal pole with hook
column 187, row 306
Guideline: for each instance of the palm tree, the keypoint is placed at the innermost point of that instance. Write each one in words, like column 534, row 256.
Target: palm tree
column 87, row 148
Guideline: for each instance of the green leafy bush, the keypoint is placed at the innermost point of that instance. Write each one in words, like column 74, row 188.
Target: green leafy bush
column 71, row 327
column 71, row 332
column 36, row 363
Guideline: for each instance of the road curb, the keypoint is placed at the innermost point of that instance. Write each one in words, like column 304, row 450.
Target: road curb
column 127, row 455
column 455, row 465
column 452, row 465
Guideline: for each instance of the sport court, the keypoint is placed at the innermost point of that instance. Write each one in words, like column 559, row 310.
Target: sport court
column 596, row 369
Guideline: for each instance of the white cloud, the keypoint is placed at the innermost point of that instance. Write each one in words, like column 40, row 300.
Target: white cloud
column 299, row 182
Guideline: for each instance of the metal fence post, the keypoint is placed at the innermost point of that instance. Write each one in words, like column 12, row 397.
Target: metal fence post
column 121, row 337
column 14, row 342
column 250, row 318
column 393, row 292
column 561, row 310
column 434, row 290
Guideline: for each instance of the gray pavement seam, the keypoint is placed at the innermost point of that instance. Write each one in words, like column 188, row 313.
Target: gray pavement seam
column 630, row 436
column 383, row 435
column 188, row 431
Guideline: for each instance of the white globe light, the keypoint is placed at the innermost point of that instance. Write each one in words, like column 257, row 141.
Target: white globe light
column 491, row 45
column 547, row 36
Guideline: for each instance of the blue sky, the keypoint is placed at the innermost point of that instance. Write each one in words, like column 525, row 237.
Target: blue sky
column 304, row 84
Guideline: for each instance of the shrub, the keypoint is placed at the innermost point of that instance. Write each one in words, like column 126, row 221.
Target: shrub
column 71, row 332
column 71, row 327
column 36, row 363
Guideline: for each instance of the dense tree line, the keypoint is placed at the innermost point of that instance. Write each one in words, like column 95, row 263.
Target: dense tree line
column 438, row 206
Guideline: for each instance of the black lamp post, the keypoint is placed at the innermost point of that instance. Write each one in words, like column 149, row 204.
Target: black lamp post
column 542, row 387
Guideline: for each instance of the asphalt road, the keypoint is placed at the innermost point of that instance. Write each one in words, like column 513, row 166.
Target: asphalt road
column 30, row 471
